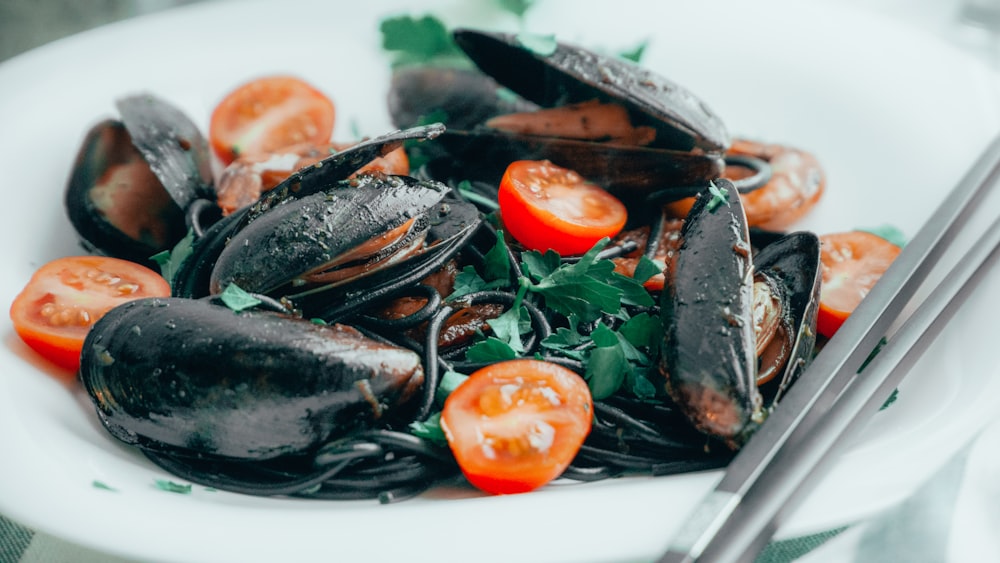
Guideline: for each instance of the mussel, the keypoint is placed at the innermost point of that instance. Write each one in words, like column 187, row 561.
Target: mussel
column 733, row 320
column 195, row 378
column 684, row 141
column 330, row 244
column 134, row 178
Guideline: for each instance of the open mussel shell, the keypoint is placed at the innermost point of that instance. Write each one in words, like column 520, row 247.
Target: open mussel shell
column 627, row 172
column 307, row 235
column 193, row 277
column 172, row 145
column 791, row 266
column 570, row 74
column 133, row 179
column 190, row 377
column 708, row 357
column 115, row 202
column 328, row 254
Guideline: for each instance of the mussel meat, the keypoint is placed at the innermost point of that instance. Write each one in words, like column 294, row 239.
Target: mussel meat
column 134, row 178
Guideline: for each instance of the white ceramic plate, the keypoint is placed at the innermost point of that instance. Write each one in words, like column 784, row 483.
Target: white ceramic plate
column 895, row 116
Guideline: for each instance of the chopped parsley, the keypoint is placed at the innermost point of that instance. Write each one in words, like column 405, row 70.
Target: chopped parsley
column 237, row 299
column 720, row 196
column 103, row 486
column 635, row 54
column 615, row 346
column 420, row 41
column 516, row 7
column 429, row 429
column 172, row 487
column 170, row 261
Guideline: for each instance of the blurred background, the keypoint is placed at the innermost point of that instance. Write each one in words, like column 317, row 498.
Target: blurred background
column 26, row 24
column 971, row 25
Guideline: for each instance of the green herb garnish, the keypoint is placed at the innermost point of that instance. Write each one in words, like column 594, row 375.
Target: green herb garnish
column 171, row 487
column 420, row 41
column 516, row 7
column 635, row 54
column 103, row 486
column 584, row 289
column 429, row 429
column 719, row 196
column 542, row 45
column 237, row 299
column 170, row 261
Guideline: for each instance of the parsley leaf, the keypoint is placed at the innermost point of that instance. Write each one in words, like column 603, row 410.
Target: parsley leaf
column 647, row 268
column 635, row 54
column 507, row 328
column 719, row 197
column 237, row 299
column 419, row 40
column 469, row 281
column 567, row 343
column 490, row 350
column 585, row 288
column 170, row 261
column 429, row 429
column 171, row 487
column 538, row 266
column 643, row 331
column 607, row 365
column 516, row 7
column 497, row 261
column 450, row 380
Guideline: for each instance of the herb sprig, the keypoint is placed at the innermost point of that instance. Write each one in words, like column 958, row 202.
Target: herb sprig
column 595, row 300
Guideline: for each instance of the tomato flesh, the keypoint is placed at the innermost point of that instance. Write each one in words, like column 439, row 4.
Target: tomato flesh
column 852, row 262
column 268, row 114
column 544, row 206
column 65, row 297
column 516, row 425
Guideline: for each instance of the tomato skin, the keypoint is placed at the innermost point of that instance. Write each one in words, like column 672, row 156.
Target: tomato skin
column 66, row 296
column 545, row 206
column 267, row 114
column 514, row 426
column 852, row 262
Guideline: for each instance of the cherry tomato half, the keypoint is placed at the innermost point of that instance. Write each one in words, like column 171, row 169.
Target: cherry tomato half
column 545, row 206
column 65, row 297
column 516, row 425
column 268, row 114
column 852, row 262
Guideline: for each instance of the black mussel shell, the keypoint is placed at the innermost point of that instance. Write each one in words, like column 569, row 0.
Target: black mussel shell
column 792, row 266
column 114, row 200
column 708, row 356
column 189, row 377
column 277, row 250
column 133, row 180
column 570, row 74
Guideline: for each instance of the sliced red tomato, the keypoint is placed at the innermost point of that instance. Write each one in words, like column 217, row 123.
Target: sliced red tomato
column 545, row 206
column 516, row 425
column 65, row 297
column 268, row 114
column 852, row 262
